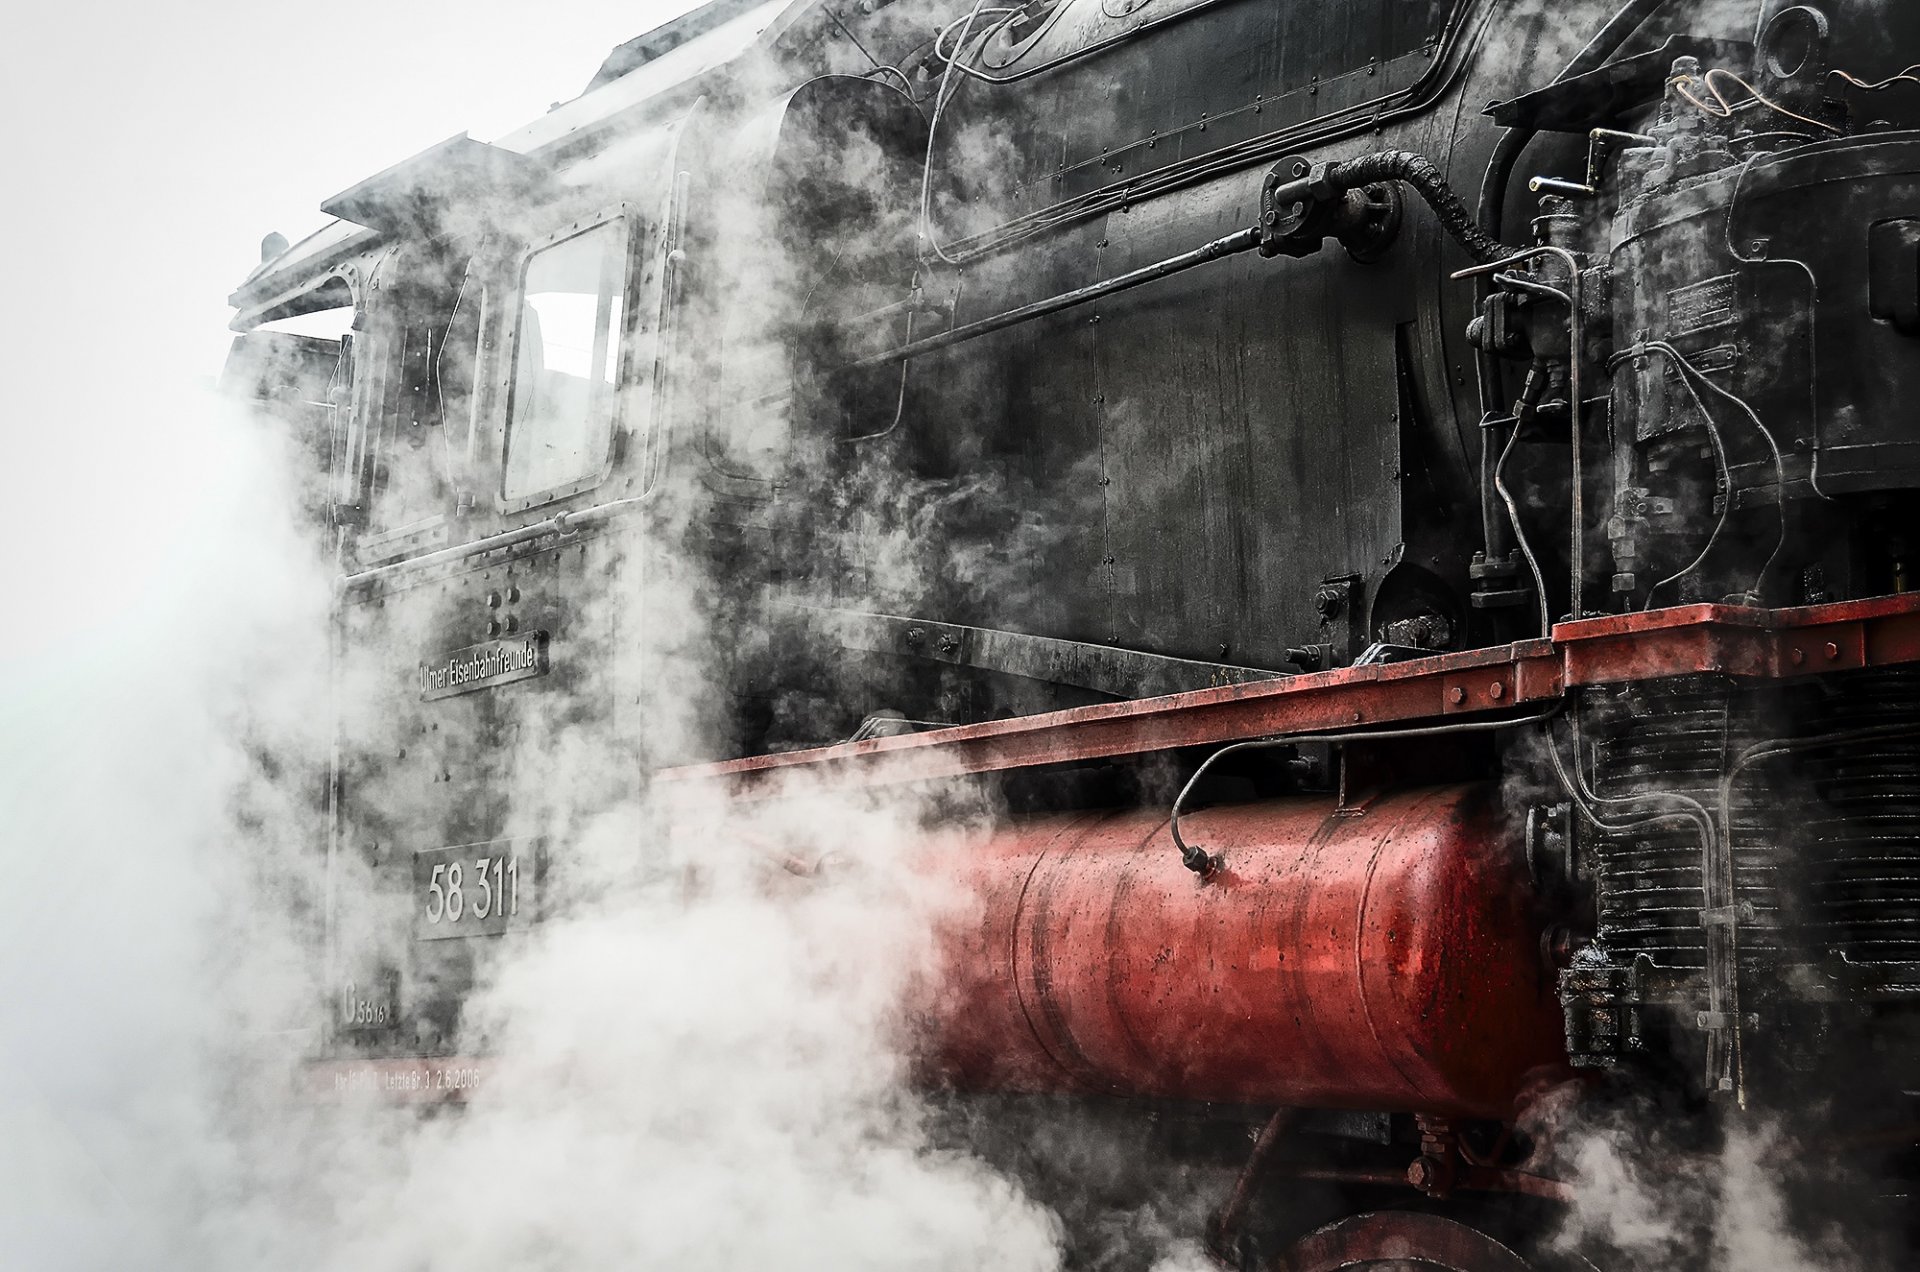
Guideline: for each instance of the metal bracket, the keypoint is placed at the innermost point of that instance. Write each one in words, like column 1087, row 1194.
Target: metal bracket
column 1365, row 220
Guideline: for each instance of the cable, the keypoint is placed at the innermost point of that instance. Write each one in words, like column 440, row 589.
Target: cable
column 1726, row 476
column 1690, row 378
column 1202, row 863
column 1520, row 534
column 940, row 51
column 900, row 406
column 1904, row 75
column 940, row 97
column 1724, row 109
column 1576, row 489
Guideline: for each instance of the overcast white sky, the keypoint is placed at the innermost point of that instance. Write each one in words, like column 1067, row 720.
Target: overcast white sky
column 149, row 148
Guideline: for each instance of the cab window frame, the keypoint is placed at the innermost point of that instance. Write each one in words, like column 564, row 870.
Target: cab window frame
column 633, row 234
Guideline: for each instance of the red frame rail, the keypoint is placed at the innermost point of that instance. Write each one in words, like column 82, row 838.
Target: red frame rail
column 1756, row 644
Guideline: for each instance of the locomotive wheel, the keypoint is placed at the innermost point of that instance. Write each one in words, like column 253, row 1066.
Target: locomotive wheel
column 1400, row 1241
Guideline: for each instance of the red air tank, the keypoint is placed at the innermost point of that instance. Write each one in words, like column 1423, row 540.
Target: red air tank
column 1376, row 955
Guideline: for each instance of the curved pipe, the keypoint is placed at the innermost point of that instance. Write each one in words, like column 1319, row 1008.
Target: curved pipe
column 1415, row 171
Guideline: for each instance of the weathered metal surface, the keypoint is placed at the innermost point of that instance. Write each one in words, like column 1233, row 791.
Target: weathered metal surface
column 1379, row 955
column 1617, row 649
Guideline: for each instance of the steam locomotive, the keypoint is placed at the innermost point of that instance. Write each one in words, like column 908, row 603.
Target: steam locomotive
column 1405, row 506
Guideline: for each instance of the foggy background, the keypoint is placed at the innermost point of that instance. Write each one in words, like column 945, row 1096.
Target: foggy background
column 151, row 146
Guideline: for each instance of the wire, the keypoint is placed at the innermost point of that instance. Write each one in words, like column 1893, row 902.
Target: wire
column 1723, row 109
column 1202, row 863
column 1576, row 344
column 900, row 406
column 1691, row 377
column 1726, row 477
column 1520, row 534
column 939, row 48
column 1813, row 302
column 940, row 97
column 1904, row 76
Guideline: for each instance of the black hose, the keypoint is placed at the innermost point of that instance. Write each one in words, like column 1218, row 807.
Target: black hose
column 1419, row 172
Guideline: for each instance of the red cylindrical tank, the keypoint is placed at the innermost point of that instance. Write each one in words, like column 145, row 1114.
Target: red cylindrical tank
column 1378, row 955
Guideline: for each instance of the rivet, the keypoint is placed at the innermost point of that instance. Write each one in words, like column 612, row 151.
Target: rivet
column 1798, row 655
column 513, row 624
column 493, row 600
column 513, row 594
column 493, row 627
column 1833, row 651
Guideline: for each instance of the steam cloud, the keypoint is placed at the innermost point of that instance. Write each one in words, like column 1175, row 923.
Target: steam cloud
column 702, row 1065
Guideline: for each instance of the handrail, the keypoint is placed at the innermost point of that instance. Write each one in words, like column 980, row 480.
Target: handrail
column 561, row 523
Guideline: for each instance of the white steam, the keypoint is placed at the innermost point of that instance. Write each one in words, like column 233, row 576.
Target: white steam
column 704, row 1067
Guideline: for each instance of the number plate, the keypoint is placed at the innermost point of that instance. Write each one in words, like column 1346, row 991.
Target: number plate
column 475, row 889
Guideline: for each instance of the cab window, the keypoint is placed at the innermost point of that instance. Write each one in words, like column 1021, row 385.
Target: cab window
column 566, row 377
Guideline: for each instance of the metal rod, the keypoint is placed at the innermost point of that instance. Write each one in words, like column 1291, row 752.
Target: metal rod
column 1233, row 244
column 562, row 523
column 1226, row 1224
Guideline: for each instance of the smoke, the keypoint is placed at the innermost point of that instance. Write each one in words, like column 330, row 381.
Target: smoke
column 703, row 1060
column 1644, row 1200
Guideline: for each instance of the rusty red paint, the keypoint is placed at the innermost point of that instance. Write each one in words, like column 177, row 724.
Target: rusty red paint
column 1369, row 958
column 1614, row 649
